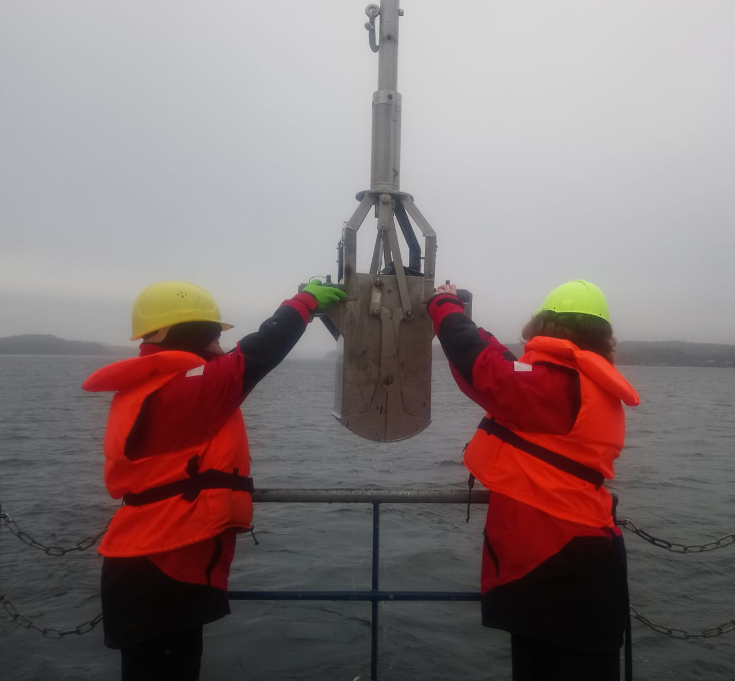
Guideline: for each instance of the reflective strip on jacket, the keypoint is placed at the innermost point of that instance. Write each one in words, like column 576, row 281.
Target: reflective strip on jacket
column 173, row 522
column 595, row 441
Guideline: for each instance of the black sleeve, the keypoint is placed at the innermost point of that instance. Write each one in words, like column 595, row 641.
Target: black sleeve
column 462, row 340
column 265, row 349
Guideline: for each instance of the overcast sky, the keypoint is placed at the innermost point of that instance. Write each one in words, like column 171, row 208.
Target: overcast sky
column 222, row 142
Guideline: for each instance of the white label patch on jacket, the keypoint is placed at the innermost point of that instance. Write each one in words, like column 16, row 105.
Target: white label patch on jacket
column 196, row 371
column 517, row 366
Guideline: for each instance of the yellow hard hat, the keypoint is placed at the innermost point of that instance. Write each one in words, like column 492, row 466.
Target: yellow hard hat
column 173, row 302
column 578, row 296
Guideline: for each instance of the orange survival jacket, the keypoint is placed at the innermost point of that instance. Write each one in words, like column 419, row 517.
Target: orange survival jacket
column 560, row 474
column 177, row 498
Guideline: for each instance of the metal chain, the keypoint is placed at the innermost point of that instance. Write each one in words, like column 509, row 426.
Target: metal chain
column 88, row 542
column 48, row 632
column 85, row 628
column 720, row 543
column 680, row 634
column 82, row 545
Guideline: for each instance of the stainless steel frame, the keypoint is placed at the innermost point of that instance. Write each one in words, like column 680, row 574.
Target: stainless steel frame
column 383, row 390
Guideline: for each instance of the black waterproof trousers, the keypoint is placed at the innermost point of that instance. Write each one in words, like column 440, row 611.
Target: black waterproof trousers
column 535, row 660
column 172, row 657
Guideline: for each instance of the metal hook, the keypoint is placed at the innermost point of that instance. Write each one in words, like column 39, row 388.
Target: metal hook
column 372, row 12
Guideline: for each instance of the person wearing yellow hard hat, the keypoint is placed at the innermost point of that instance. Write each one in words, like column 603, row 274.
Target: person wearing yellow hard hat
column 176, row 453
column 553, row 560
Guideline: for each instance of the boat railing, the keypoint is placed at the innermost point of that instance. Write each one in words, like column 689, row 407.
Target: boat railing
column 373, row 497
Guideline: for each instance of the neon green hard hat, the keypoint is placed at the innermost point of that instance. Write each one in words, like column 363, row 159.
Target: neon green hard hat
column 578, row 296
column 173, row 302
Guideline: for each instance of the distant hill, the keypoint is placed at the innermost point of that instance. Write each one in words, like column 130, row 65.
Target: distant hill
column 675, row 353
column 656, row 353
column 46, row 344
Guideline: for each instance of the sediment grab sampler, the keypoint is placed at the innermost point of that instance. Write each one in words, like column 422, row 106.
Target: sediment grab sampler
column 383, row 387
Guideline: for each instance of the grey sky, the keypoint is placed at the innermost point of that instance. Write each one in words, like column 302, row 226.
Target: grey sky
column 223, row 142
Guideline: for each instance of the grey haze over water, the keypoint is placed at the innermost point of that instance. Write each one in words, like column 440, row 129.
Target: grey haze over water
column 674, row 479
column 223, row 142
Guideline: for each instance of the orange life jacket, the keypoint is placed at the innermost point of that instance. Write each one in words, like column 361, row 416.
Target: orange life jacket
column 560, row 474
column 172, row 499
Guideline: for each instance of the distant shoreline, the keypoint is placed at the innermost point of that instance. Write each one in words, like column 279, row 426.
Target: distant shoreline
column 629, row 353
column 49, row 345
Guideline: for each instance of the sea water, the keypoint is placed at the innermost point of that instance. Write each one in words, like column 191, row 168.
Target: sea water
column 674, row 479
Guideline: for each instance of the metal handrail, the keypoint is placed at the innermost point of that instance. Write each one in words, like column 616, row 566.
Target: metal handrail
column 376, row 497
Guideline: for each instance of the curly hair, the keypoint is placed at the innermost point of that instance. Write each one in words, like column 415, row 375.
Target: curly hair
column 586, row 331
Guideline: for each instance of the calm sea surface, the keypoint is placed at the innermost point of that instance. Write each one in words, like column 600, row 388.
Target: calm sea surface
column 675, row 479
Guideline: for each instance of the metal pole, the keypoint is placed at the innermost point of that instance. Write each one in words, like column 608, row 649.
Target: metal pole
column 385, row 172
column 374, row 591
column 357, row 596
column 388, row 50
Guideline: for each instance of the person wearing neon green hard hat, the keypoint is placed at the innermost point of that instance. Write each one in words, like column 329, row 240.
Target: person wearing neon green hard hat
column 177, row 454
column 553, row 561
column 576, row 311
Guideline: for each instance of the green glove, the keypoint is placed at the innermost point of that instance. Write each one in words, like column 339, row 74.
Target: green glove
column 325, row 295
